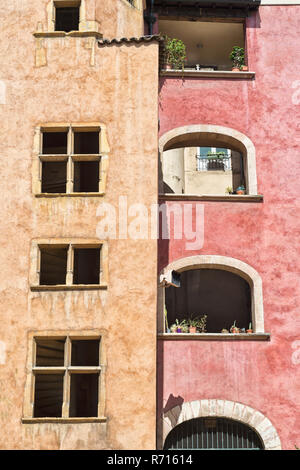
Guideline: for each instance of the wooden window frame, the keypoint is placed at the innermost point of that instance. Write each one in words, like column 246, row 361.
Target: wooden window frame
column 67, row 370
column 71, row 244
column 70, row 157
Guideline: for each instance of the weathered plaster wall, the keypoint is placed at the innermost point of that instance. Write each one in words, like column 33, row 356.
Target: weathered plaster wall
column 262, row 375
column 117, row 91
column 120, row 19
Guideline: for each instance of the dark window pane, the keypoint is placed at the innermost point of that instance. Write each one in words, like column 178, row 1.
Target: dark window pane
column 85, row 353
column 86, row 142
column 86, row 266
column 48, row 396
column 54, row 177
column 53, row 266
column 49, row 352
column 84, row 395
column 67, row 19
column 86, row 176
column 55, row 143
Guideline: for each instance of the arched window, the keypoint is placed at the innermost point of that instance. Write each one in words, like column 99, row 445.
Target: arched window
column 223, row 288
column 207, row 160
column 222, row 295
column 213, row 433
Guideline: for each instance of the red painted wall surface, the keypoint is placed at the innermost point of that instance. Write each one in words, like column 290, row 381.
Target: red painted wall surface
column 263, row 375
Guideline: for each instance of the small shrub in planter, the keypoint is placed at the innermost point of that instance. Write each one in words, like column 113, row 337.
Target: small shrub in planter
column 175, row 53
column 237, row 56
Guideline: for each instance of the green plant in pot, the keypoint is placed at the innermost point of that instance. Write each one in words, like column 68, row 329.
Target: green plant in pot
column 175, row 53
column 237, row 56
column 201, row 326
column 241, row 190
column 193, row 323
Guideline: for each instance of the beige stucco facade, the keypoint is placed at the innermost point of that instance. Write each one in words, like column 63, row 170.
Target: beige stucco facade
column 66, row 79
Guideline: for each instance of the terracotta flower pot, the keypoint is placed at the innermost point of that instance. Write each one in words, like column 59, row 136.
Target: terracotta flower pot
column 249, row 331
column 235, row 69
column 240, row 191
column 244, row 68
column 193, row 329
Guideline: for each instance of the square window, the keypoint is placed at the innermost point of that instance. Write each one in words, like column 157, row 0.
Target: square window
column 85, row 352
column 55, row 143
column 50, row 352
column 86, row 176
column 54, row 177
column 67, row 18
column 86, row 266
column 86, row 143
column 53, row 265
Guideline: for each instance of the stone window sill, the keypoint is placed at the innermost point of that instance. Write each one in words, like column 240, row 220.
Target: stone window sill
column 62, row 34
column 213, row 197
column 208, row 74
column 72, row 287
column 81, row 194
column 215, row 336
column 101, row 419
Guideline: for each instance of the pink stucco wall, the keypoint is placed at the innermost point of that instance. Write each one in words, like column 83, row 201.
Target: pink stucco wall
column 263, row 375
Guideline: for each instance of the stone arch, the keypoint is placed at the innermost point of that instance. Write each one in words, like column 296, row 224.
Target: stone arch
column 233, row 265
column 222, row 409
column 207, row 134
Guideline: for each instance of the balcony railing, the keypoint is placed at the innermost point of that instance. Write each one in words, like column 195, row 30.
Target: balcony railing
column 214, row 163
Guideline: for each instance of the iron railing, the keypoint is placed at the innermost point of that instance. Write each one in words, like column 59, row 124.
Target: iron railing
column 213, row 163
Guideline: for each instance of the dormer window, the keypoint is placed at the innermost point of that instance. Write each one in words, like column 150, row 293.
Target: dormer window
column 67, row 16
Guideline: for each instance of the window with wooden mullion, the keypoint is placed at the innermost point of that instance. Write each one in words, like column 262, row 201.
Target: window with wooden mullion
column 69, row 390
column 70, row 160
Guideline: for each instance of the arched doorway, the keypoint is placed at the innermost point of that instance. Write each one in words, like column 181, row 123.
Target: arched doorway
column 213, row 433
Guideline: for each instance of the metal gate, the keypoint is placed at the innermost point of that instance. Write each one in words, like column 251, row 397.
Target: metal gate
column 213, row 434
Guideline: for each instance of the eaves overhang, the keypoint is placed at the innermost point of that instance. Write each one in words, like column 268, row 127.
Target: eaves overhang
column 251, row 4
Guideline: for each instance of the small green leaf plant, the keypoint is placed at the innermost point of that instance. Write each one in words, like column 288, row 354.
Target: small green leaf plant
column 237, row 56
column 175, row 53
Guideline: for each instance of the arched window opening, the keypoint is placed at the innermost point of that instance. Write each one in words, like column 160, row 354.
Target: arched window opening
column 203, row 171
column 224, row 297
column 202, row 160
column 213, row 433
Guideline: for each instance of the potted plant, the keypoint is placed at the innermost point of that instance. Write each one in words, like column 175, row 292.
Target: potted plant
column 173, row 328
column 241, row 190
column 193, row 323
column 229, row 190
column 201, row 324
column 224, row 330
column 249, row 331
column 175, row 53
column 237, row 56
column 234, row 329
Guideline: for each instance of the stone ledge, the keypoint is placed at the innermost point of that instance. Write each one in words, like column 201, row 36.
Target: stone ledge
column 101, row 419
column 213, row 197
column 64, row 287
column 63, row 34
column 214, row 336
column 207, row 74
column 52, row 195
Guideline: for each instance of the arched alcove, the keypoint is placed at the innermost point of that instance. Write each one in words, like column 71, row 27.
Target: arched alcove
column 219, row 263
column 175, row 147
column 224, row 297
